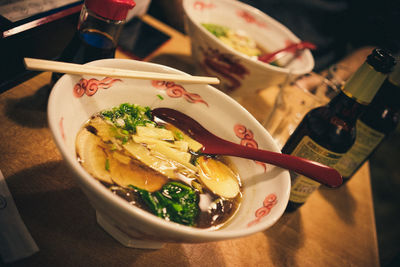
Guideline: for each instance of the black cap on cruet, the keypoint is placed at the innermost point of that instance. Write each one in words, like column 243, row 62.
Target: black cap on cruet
column 381, row 60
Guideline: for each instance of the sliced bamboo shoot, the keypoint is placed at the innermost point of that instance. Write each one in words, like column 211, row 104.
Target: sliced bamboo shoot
column 141, row 153
column 153, row 132
column 181, row 136
column 173, row 154
column 180, row 145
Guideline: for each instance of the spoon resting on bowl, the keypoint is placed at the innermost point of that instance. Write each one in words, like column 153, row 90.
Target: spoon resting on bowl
column 294, row 49
column 215, row 145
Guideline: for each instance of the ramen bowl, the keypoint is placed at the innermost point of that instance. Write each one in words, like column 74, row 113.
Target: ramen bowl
column 239, row 73
column 74, row 99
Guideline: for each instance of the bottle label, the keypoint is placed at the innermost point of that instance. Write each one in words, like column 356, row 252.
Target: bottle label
column 303, row 186
column 367, row 139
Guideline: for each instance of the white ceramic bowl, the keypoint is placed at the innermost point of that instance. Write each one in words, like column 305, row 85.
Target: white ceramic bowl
column 239, row 74
column 75, row 98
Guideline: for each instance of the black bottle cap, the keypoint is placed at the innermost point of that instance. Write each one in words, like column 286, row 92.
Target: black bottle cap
column 381, row 60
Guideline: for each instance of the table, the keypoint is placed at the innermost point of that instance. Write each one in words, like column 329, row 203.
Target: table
column 334, row 227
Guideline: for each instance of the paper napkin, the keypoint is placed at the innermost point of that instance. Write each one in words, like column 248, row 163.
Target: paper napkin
column 15, row 240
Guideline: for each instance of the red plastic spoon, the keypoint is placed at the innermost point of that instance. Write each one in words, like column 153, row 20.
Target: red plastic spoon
column 292, row 48
column 215, row 145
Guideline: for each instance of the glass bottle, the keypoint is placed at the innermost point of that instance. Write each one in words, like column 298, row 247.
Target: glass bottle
column 326, row 133
column 99, row 26
column 380, row 119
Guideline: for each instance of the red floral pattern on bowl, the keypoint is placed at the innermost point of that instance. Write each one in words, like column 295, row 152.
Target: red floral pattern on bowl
column 90, row 86
column 226, row 65
column 176, row 90
column 247, row 139
column 200, row 5
column 268, row 203
column 61, row 125
column 248, row 18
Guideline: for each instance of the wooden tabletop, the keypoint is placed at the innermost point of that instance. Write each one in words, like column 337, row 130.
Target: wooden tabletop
column 334, row 227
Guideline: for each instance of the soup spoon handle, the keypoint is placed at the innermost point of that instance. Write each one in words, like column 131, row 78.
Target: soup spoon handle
column 293, row 48
column 312, row 169
column 213, row 144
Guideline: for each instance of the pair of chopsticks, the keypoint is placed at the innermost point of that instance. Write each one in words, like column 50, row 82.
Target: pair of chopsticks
column 71, row 68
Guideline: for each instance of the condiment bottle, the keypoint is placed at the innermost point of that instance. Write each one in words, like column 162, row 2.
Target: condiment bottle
column 326, row 133
column 99, row 26
column 380, row 119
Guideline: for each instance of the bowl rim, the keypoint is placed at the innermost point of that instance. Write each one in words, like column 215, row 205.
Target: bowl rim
column 132, row 211
column 309, row 58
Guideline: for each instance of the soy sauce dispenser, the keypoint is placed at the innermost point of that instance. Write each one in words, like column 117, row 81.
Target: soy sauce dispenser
column 99, row 26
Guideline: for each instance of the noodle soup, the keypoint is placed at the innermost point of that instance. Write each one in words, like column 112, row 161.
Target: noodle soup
column 238, row 40
column 156, row 167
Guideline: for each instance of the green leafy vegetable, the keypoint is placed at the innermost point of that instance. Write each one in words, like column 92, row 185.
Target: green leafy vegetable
column 175, row 202
column 107, row 166
column 217, row 30
column 128, row 116
column 178, row 135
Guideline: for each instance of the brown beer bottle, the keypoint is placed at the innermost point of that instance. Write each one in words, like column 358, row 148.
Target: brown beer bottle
column 380, row 119
column 326, row 133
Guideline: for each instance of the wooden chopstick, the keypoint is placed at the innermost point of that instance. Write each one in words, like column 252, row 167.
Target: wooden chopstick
column 72, row 68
